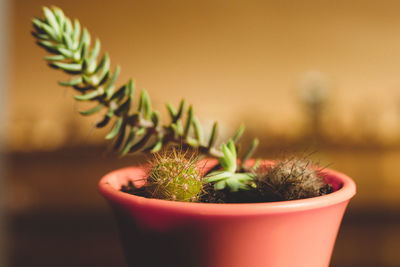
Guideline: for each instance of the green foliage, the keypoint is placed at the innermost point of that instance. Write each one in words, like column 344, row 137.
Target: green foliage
column 174, row 176
column 228, row 176
column 133, row 130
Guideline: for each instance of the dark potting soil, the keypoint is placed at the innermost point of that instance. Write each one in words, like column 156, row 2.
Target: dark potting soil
column 138, row 191
column 210, row 195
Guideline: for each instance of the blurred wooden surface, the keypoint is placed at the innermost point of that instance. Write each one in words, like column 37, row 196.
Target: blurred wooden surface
column 57, row 218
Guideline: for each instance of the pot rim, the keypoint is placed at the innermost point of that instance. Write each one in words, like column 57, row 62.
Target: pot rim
column 109, row 183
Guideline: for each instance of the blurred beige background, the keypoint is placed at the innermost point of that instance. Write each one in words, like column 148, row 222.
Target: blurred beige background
column 234, row 60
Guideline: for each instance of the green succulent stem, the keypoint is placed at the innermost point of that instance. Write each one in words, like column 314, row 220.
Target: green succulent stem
column 93, row 79
column 139, row 129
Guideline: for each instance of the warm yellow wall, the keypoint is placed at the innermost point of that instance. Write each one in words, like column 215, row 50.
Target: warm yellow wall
column 234, row 60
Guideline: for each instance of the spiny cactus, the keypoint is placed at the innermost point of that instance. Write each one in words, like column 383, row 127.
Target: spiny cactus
column 289, row 179
column 174, row 176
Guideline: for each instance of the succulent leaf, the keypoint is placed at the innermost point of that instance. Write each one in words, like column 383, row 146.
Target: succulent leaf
column 213, row 135
column 250, row 151
column 189, row 120
column 171, row 111
column 91, row 111
column 198, row 130
column 228, row 177
column 115, row 130
column 238, row 133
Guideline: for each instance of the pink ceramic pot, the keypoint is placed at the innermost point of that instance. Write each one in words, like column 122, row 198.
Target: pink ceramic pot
column 297, row 233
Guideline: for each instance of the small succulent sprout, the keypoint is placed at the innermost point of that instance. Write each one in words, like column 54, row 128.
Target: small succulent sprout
column 290, row 179
column 228, row 177
column 175, row 176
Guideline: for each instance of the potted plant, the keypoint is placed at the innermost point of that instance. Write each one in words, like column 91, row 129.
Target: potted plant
column 196, row 204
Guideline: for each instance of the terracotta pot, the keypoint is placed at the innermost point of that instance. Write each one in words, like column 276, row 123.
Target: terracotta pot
column 297, row 233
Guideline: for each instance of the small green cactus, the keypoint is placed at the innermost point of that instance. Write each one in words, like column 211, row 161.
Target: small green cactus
column 290, row 179
column 175, row 176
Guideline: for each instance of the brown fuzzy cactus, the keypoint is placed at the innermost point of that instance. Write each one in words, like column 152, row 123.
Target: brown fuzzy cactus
column 174, row 176
column 290, row 179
